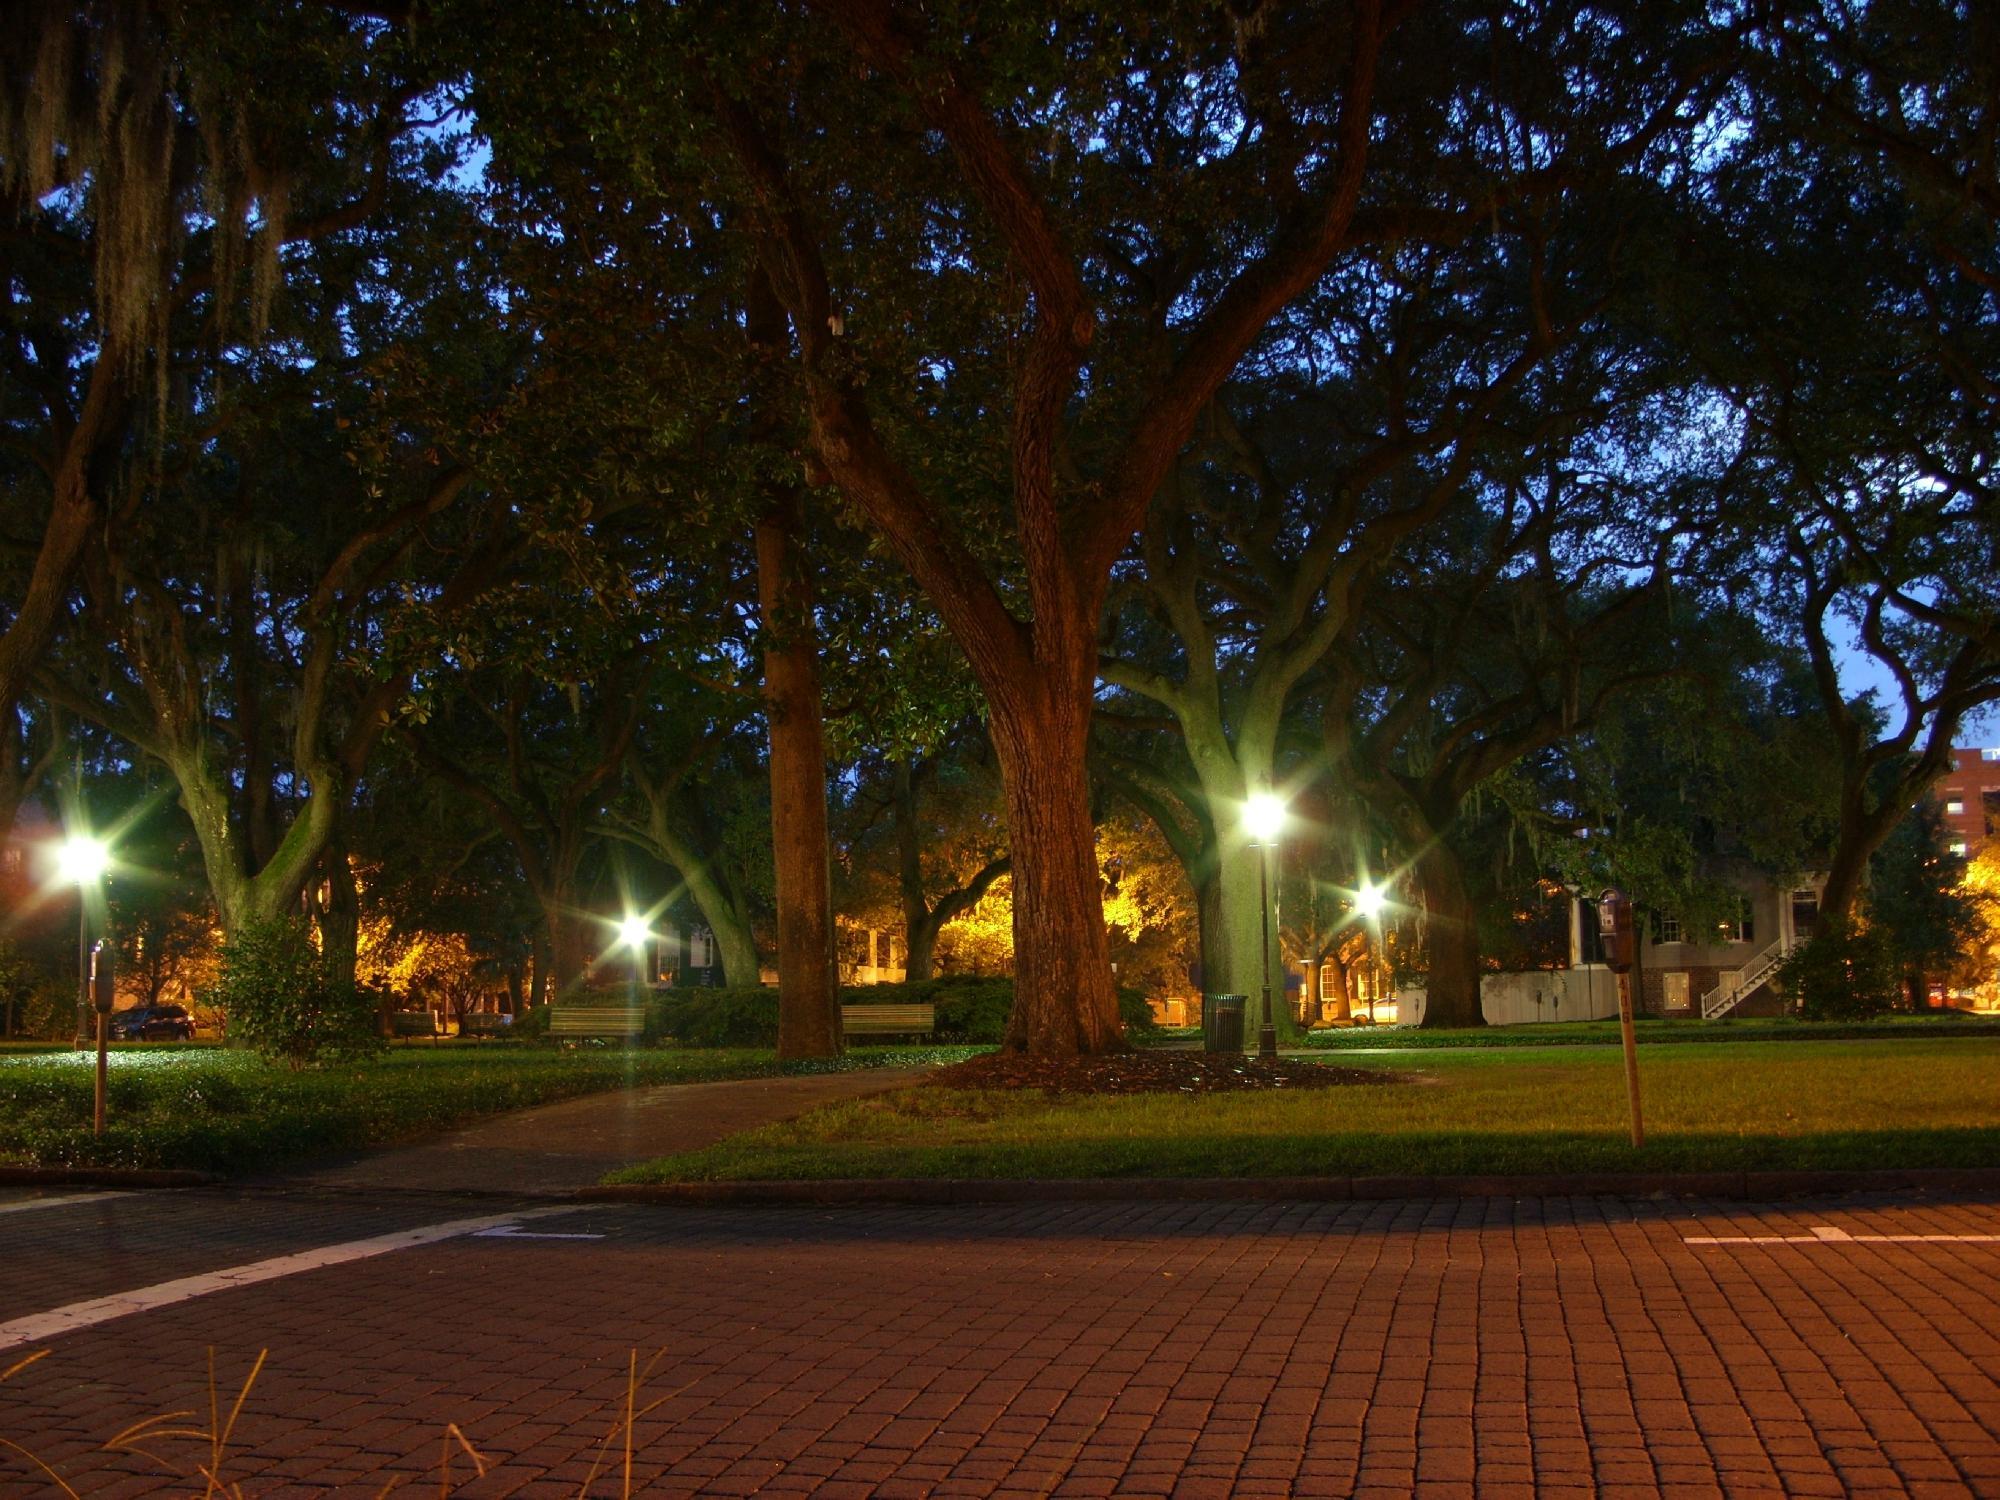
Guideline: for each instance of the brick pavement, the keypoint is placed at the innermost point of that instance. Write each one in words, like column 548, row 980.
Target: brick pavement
column 1572, row 1346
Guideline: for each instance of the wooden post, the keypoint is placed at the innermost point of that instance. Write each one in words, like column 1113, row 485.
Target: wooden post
column 1631, row 1042
column 1621, row 945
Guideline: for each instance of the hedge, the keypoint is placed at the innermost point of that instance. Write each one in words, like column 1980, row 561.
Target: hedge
column 968, row 1010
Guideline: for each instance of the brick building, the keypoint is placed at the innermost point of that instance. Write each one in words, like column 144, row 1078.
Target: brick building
column 1970, row 797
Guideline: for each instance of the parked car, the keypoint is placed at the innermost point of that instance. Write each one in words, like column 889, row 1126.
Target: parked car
column 152, row 1023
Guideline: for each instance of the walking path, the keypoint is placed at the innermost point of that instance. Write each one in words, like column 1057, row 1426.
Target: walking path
column 557, row 1148
column 1551, row 1346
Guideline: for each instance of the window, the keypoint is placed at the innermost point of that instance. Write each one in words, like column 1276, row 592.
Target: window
column 1669, row 930
column 1954, row 807
column 1742, row 928
column 1673, row 992
column 1958, row 848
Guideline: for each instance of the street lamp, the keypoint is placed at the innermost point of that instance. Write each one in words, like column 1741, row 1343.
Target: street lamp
column 1368, row 902
column 1264, row 821
column 633, row 932
column 81, row 861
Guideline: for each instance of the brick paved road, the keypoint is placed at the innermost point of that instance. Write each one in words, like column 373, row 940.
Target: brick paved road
column 1577, row 1346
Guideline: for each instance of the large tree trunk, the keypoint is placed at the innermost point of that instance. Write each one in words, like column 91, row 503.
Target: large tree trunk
column 1064, row 999
column 1242, row 950
column 538, row 945
column 722, row 908
column 1343, row 1000
column 1208, row 922
column 569, row 940
column 920, row 924
column 1451, row 936
column 27, row 635
column 920, row 944
column 1862, row 831
column 340, row 914
column 808, row 978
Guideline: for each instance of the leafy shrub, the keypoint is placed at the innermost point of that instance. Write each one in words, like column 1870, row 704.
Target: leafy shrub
column 714, row 1018
column 285, row 999
column 968, row 1010
column 1845, row 973
column 39, row 1006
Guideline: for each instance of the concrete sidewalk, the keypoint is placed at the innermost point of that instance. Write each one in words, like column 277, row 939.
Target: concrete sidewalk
column 557, row 1148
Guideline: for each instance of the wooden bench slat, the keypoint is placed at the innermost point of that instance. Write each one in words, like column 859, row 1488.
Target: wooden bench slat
column 597, row 1020
column 887, row 1019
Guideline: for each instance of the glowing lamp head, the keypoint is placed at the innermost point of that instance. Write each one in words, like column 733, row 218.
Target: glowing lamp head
column 1264, row 816
column 1368, row 901
column 80, row 859
column 633, row 932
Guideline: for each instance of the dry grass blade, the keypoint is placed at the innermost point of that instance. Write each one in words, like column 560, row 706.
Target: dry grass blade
column 625, row 1427
column 453, row 1435
column 21, row 1364
column 54, row 1478
column 13, row 1447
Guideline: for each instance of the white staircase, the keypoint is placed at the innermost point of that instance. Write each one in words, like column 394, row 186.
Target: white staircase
column 1738, row 984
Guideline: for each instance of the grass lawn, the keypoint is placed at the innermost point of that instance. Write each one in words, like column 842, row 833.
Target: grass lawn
column 226, row 1111
column 1588, row 1033
column 1756, row 1105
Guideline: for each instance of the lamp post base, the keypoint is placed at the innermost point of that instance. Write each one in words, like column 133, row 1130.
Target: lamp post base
column 1267, row 1041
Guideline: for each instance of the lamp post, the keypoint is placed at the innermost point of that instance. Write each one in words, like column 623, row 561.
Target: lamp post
column 1368, row 902
column 634, row 932
column 1264, row 820
column 81, row 861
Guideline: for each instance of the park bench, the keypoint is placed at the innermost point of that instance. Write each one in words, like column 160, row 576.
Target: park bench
column 576, row 1022
column 412, row 1023
column 888, row 1020
column 483, row 1023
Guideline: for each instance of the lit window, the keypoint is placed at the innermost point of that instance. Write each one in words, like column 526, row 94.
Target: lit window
column 1954, row 807
column 1959, row 848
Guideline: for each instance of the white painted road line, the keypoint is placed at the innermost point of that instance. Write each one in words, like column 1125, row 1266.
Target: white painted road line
column 1829, row 1234
column 38, row 1327
column 27, row 1203
column 509, row 1232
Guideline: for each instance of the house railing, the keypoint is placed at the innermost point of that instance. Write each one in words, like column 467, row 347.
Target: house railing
column 1737, row 984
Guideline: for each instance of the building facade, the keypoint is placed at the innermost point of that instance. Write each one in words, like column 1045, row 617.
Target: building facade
column 1970, row 797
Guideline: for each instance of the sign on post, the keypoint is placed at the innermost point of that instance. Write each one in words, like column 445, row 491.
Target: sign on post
column 1614, row 928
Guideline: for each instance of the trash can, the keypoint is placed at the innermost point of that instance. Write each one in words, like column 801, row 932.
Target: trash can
column 1222, row 1023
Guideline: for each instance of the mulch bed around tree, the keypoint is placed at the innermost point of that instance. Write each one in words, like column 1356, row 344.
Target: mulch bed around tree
column 1146, row 1072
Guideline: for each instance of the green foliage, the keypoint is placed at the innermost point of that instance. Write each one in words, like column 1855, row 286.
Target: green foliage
column 1845, row 973
column 224, row 1111
column 285, row 1000
column 1856, row 1105
column 970, row 1011
column 33, row 1006
column 1651, row 1033
column 1918, row 897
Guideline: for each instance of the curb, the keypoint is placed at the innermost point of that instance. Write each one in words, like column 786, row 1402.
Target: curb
column 953, row 1190
column 109, row 1177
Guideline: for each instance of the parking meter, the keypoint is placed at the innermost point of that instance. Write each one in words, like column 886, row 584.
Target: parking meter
column 102, row 985
column 1614, row 929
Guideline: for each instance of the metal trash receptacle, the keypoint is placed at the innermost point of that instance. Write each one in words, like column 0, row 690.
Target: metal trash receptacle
column 1222, row 1022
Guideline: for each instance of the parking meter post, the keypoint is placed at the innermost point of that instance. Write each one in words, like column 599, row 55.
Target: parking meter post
column 1614, row 926
column 100, row 990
